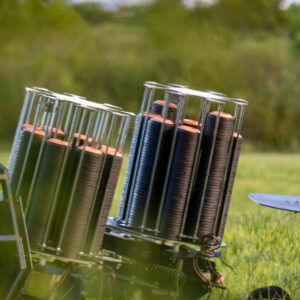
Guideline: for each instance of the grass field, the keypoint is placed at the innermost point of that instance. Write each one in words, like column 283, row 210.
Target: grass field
column 263, row 243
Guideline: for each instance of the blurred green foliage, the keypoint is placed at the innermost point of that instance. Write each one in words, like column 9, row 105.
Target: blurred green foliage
column 243, row 48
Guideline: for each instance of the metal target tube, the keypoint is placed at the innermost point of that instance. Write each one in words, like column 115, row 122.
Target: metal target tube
column 91, row 117
column 37, row 116
column 204, row 109
column 147, row 100
column 99, row 130
column 122, row 130
column 220, row 109
column 112, row 125
column 129, row 190
column 157, row 153
column 169, row 166
column 74, row 124
column 49, row 123
column 220, row 202
column 95, row 193
column 240, row 114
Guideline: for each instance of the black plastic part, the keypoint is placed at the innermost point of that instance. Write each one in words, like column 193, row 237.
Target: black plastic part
column 269, row 292
column 152, row 267
column 15, row 260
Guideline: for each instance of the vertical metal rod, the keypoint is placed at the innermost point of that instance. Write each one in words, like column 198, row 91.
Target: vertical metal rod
column 47, row 118
column 103, row 129
column 48, row 131
column 110, row 131
column 59, row 119
column 120, row 132
column 242, row 111
column 180, row 108
column 43, row 119
column 31, row 104
column 204, row 109
column 37, row 116
column 19, row 127
column 94, row 134
column 46, row 115
column 81, row 125
column 64, row 227
column 74, row 123
column 121, row 150
column 61, row 175
column 220, row 109
column 127, row 126
column 5, row 189
column 68, row 117
column 99, row 129
column 145, row 102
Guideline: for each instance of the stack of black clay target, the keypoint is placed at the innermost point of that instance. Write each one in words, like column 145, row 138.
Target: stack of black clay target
column 136, row 138
column 23, row 164
column 179, row 181
column 210, row 176
column 151, row 174
column 44, row 190
column 156, row 200
column 107, row 187
column 157, row 108
column 140, row 126
column 31, row 139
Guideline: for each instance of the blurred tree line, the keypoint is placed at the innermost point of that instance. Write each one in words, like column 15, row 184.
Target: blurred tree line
column 243, row 48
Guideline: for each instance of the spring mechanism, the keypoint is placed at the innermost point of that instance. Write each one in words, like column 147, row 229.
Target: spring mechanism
column 161, row 271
